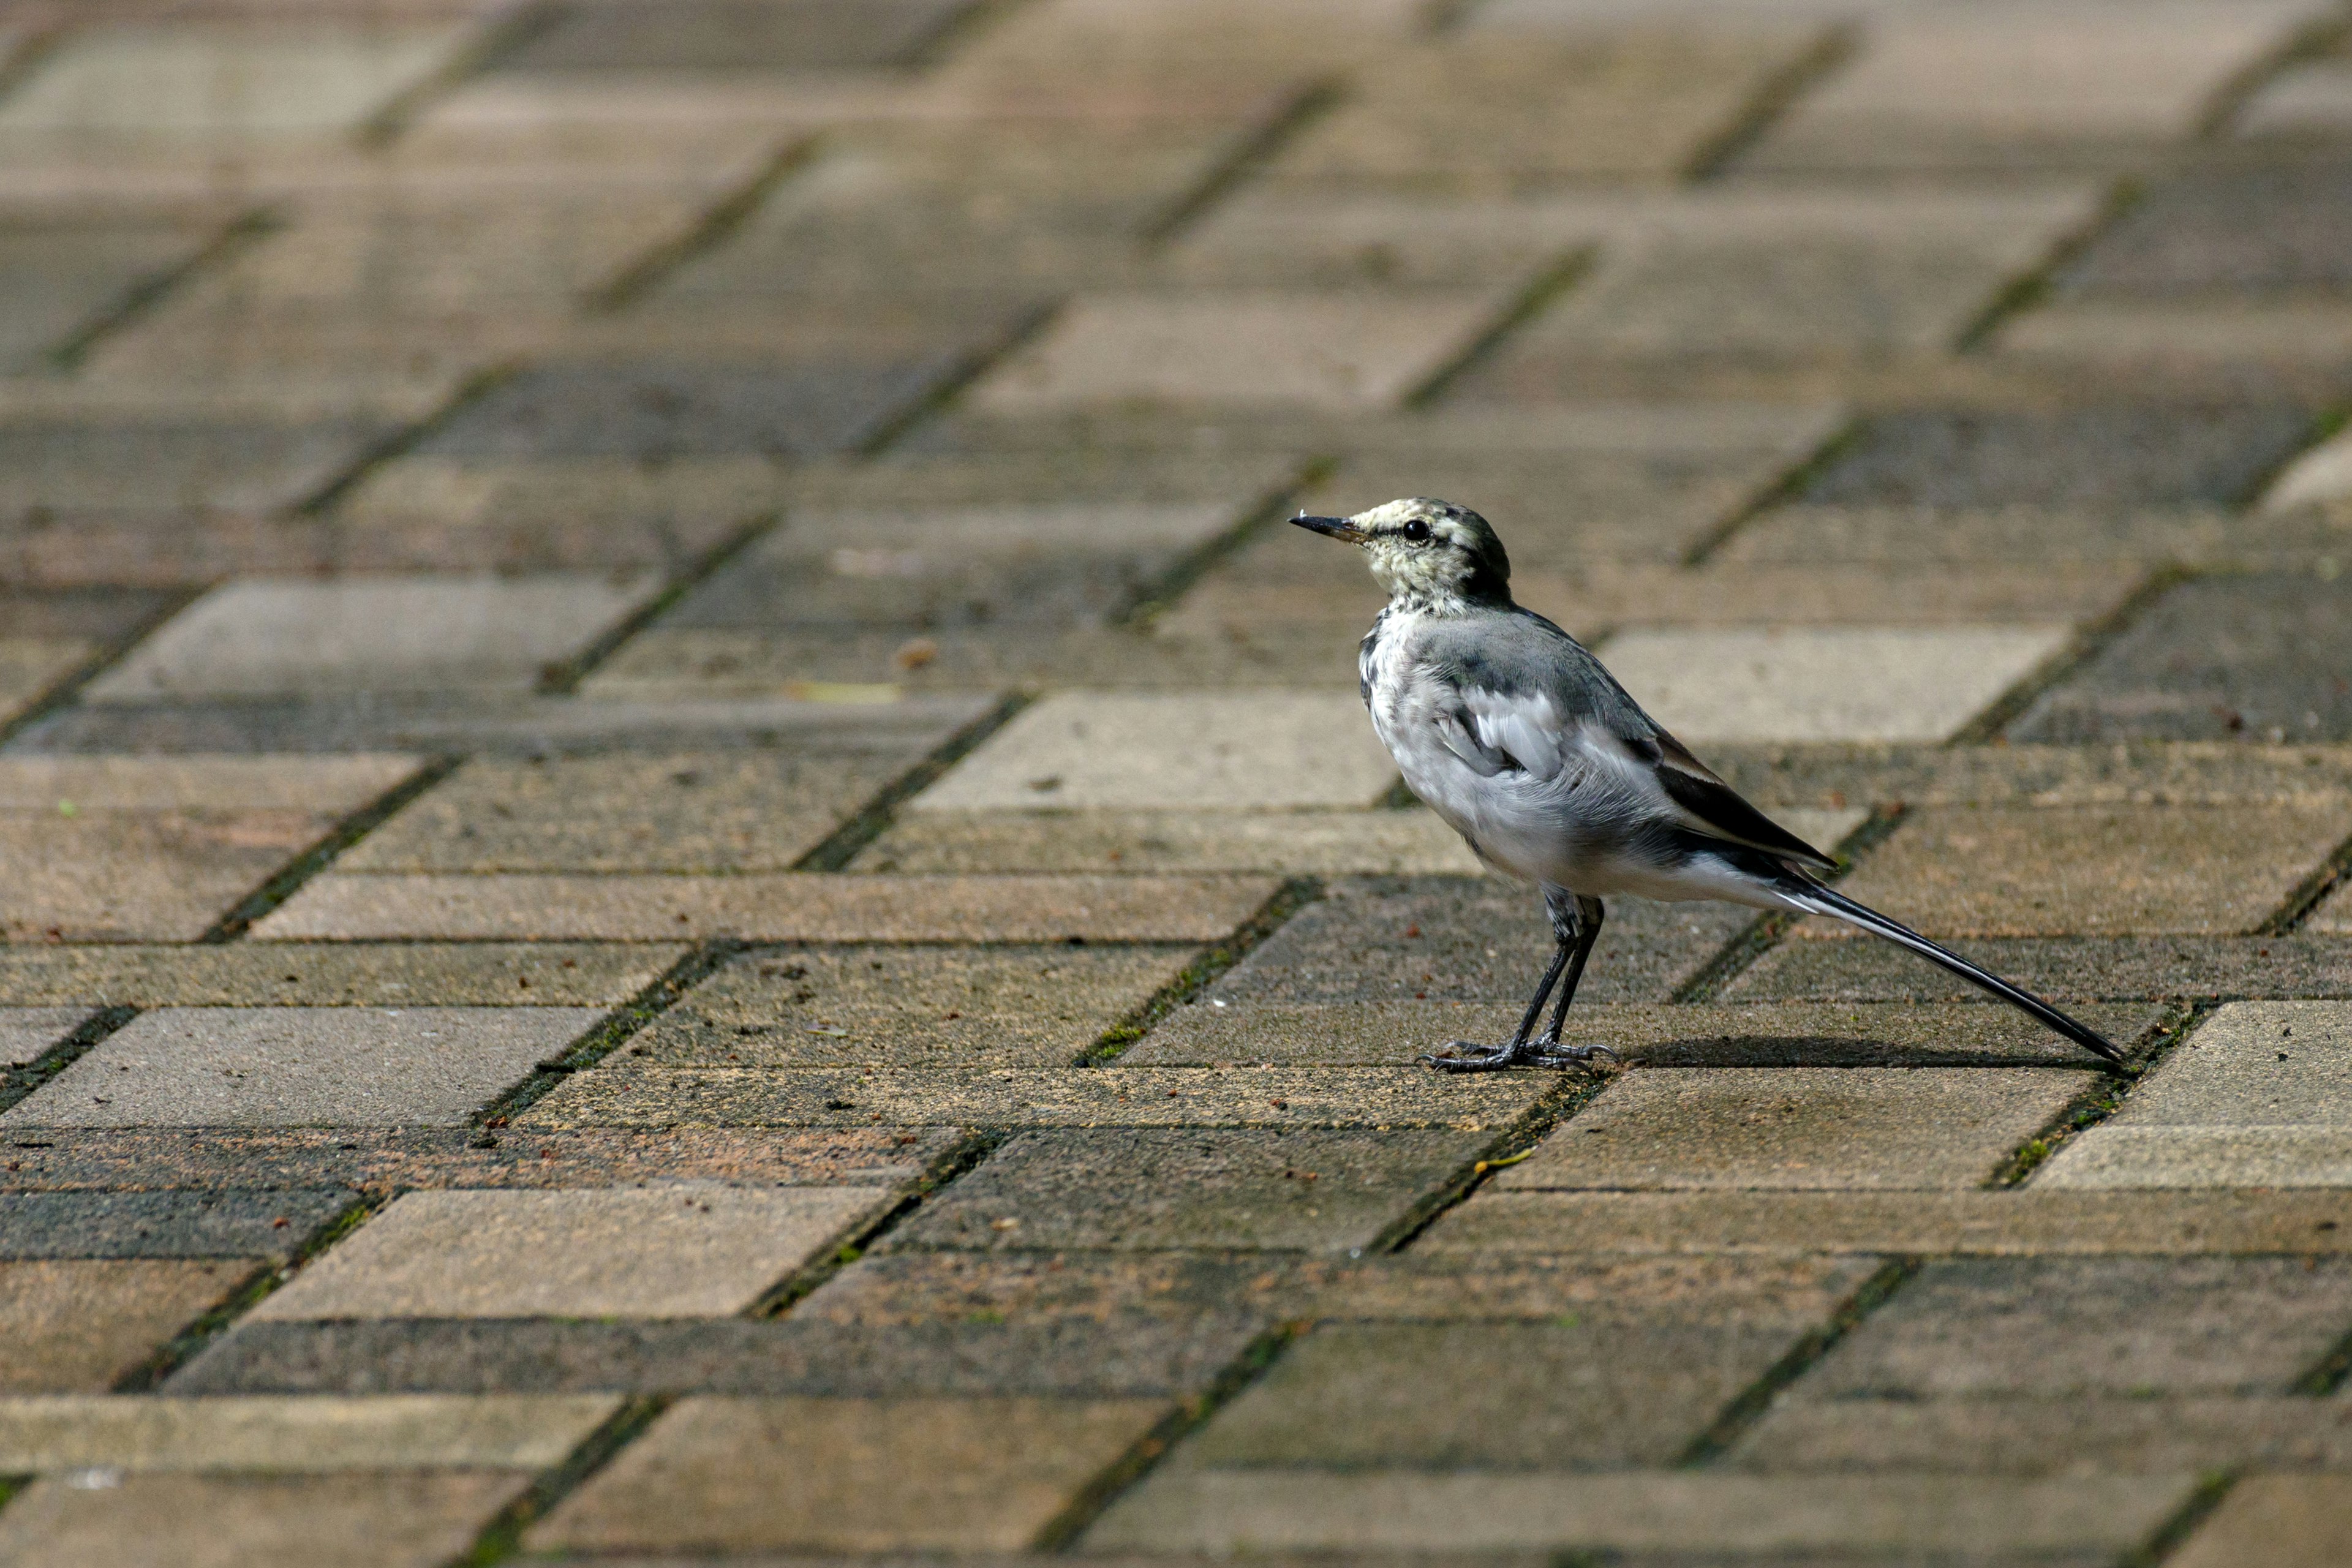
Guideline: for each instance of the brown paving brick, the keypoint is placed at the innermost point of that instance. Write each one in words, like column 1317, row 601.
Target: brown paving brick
column 227, row 1222
column 690, row 811
column 1151, row 1188
column 2294, row 1521
column 292, row 1435
column 1409, row 1287
column 998, row 1006
column 768, row 908
column 324, row 975
column 77, row 1326
column 1798, row 1036
column 1294, row 843
column 2191, row 773
column 2101, row 871
column 1797, row 1127
column 2069, row 969
column 1992, row 539
column 1403, row 1096
column 2021, row 1223
column 852, row 1474
column 61, row 1161
column 394, row 1519
column 31, row 667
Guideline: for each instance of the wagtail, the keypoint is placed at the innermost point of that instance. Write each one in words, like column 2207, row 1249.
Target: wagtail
column 1528, row 747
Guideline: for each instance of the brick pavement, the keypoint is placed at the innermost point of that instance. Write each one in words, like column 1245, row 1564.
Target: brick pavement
column 690, row 875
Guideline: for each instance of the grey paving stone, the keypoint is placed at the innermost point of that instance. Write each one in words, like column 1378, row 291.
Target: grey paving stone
column 1011, row 1005
column 26, row 1032
column 2098, row 870
column 765, row 907
column 62, row 274
column 176, row 460
column 1927, row 539
column 1594, row 1290
column 97, row 1224
column 2078, row 1434
column 1807, row 1034
column 130, row 876
column 1453, row 939
column 1270, row 751
column 2026, row 774
column 1151, row 1188
column 2312, row 98
column 2259, row 229
column 727, row 35
column 261, row 638
column 294, row 1435
column 2217, row 658
column 682, row 811
column 1835, row 1518
column 281, row 1067
column 1795, row 1127
column 622, row 1094
column 718, row 1474
column 31, row 667
column 2116, row 456
column 1565, row 1395
column 1825, row 683
column 2296, row 1521
column 2021, row 1221
column 334, row 974
column 680, row 1250
column 2051, row 1327
column 652, row 412
column 77, row 1326
column 2072, row 969
column 394, row 1519
column 1296, row 843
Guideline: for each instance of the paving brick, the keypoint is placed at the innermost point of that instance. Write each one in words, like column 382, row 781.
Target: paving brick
column 692, row 812
column 132, row 82
column 2015, row 88
column 1230, row 1512
column 2294, row 1521
column 718, row 1475
column 366, row 1067
column 77, row 1326
column 159, row 1224
column 26, row 1032
column 1087, row 750
column 673, row 1251
column 1566, row 1395
column 399, row 1519
column 2118, row 454
column 1799, row 1128
column 2097, row 870
column 652, row 412
column 31, row 667
column 1455, row 939
column 2010, row 535
column 1598, row 1291
column 2255, row 348
column 1402, row 1096
column 2321, row 473
column 2313, row 98
column 726, row 35
column 1526, row 106
column 1367, row 351
column 2333, row 915
column 2216, row 659
column 2253, row 230
column 2023, row 774
column 2020, row 1222
column 1151, row 1188
column 54, row 1164
column 66, row 1432
column 1294, row 843
column 2069, row 969
column 768, row 908
column 331, row 785
column 263, row 638
column 332, row 974
column 929, row 1007
column 1825, row 683
column 61, row 275
column 1799, row 1036
column 2255, row 1096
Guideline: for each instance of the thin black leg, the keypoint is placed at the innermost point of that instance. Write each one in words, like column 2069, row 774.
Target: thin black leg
column 1576, row 925
column 1588, row 916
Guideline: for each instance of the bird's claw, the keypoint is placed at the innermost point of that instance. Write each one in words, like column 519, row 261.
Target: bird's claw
column 1463, row 1055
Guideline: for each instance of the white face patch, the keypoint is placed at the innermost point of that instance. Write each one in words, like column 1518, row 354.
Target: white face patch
column 1434, row 568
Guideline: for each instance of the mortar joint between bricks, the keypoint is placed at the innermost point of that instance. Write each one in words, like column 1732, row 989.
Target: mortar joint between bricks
column 1544, row 286
column 2168, row 1536
column 888, row 427
column 476, row 386
column 1156, row 598
column 1774, row 98
column 2315, row 37
column 17, row 1082
column 503, row 36
column 502, row 1537
column 638, row 276
column 562, row 679
column 1556, row 1105
column 2033, row 285
column 1253, row 149
column 1780, row 489
column 2103, row 1099
column 871, row 821
column 853, row 1241
column 2331, row 874
column 1750, row 1405
column 289, row 877
column 240, row 234
column 63, row 691
column 1202, row 972
column 2073, row 657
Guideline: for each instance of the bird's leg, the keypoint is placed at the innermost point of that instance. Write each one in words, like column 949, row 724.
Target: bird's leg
column 1465, row 1055
column 1584, row 918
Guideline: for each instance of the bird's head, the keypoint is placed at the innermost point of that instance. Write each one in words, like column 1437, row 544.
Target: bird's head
column 1429, row 552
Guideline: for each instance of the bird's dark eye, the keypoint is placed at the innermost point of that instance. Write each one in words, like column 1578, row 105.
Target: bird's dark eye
column 1417, row 531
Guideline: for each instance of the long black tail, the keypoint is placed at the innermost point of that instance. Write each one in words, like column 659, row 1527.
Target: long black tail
column 1813, row 897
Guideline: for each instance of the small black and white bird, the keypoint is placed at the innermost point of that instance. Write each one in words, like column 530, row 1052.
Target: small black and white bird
column 1527, row 747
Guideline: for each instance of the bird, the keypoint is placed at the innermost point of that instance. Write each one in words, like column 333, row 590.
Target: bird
column 1524, row 743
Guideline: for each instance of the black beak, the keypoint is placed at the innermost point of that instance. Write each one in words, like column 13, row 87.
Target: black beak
column 1337, row 527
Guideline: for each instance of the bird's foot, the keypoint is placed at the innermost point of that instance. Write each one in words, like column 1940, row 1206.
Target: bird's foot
column 1465, row 1055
